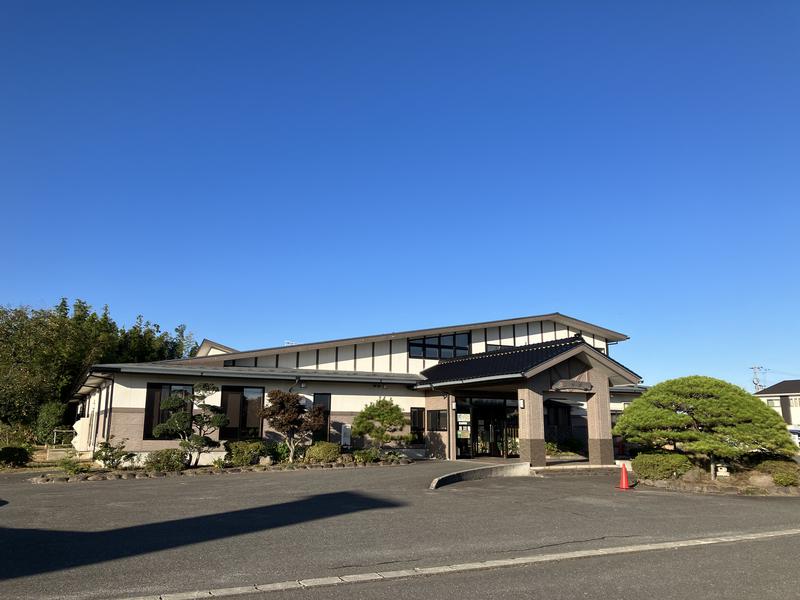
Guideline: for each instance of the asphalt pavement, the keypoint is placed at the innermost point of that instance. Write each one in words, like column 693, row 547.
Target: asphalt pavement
column 121, row 539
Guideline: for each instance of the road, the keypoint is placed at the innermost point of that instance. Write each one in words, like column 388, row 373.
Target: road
column 121, row 539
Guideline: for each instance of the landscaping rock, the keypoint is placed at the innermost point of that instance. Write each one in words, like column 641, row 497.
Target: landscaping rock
column 59, row 479
column 338, row 465
column 112, row 476
column 141, row 476
column 260, row 468
column 265, row 461
column 78, row 477
column 174, row 473
column 39, row 479
column 156, row 474
column 97, row 477
column 128, row 475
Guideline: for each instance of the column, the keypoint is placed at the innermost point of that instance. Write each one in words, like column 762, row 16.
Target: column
column 601, row 447
column 531, row 424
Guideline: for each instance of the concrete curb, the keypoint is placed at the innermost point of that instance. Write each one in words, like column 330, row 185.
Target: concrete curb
column 510, row 470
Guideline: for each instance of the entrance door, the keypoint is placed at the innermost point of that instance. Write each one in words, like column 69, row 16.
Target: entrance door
column 488, row 431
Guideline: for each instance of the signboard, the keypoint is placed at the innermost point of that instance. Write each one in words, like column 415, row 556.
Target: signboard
column 564, row 385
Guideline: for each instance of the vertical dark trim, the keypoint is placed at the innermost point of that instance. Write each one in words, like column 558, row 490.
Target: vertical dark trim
column 110, row 409
column 408, row 358
column 317, row 359
column 514, row 333
column 255, row 363
column 528, row 331
column 541, row 331
column 276, row 361
column 336, row 359
column 373, row 357
column 390, row 356
column 485, row 338
column 297, row 360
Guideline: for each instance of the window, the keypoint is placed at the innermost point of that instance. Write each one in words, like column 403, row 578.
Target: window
column 417, row 425
column 440, row 346
column 323, row 400
column 153, row 414
column 496, row 347
column 241, row 405
column 437, row 420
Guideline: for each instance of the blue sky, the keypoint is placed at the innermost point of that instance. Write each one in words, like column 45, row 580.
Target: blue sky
column 311, row 170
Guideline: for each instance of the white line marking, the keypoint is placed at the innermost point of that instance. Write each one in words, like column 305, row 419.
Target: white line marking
column 473, row 566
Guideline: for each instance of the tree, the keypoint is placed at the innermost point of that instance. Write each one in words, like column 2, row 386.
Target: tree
column 44, row 353
column 193, row 427
column 704, row 417
column 380, row 421
column 286, row 413
column 51, row 415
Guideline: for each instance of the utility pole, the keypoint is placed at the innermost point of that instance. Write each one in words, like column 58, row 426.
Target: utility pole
column 757, row 378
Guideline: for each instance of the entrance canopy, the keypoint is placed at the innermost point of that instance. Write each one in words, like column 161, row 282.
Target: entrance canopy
column 522, row 362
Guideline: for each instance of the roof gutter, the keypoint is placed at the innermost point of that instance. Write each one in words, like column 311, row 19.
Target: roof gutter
column 431, row 386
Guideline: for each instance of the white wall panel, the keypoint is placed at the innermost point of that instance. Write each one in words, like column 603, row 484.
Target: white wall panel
column 327, row 359
column 382, row 357
column 399, row 355
column 346, row 360
column 308, row 359
column 521, row 337
column 535, row 328
column 478, row 343
column 364, row 357
column 506, row 335
column 493, row 335
column 287, row 360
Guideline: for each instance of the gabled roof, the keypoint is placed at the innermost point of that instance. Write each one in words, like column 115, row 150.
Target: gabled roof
column 514, row 363
column 207, row 345
column 788, row 386
column 571, row 322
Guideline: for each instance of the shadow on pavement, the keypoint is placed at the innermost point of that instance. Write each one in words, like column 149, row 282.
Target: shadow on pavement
column 31, row 551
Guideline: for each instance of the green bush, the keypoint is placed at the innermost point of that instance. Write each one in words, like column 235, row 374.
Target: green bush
column 51, row 415
column 111, row 455
column 323, row 452
column 660, row 465
column 14, row 456
column 242, row 454
column 169, row 459
column 71, row 466
column 784, row 472
column 367, row 455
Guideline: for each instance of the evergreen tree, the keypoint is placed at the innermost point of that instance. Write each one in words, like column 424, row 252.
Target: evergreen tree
column 704, row 417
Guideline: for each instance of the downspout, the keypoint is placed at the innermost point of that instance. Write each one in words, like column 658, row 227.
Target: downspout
column 110, row 409
column 296, row 383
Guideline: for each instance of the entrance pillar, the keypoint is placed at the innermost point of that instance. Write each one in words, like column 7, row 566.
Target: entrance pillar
column 531, row 424
column 601, row 447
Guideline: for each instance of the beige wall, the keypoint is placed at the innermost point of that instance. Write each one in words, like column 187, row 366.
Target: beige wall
column 127, row 414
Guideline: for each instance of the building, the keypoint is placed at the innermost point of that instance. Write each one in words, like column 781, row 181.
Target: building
column 498, row 388
column 784, row 397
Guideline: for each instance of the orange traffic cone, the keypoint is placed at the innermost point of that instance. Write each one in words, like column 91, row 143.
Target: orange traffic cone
column 623, row 479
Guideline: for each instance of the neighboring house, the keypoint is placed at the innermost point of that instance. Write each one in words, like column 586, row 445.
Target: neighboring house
column 784, row 397
column 497, row 388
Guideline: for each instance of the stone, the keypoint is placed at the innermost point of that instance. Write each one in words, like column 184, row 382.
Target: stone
column 128, row 475
column 96, row 478
column 111, row 476
column 59, row 479
column 156, row 474
column 260, row 468
column 39, row 479
column 265, row 461
column 141, row 476
column 338, row 465
column 174, row 473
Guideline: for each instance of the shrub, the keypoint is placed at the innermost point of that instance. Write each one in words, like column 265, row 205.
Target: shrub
column 51, row 415
column 169, row 459
column 219, row 463
column 784, row 472
column 551, row 448
column 367, row 455
column 71, row 466
column 381, row 422
column 323, row 452
column 660, row 465
column 112, row 455
column 14, row 456
column 242, row 454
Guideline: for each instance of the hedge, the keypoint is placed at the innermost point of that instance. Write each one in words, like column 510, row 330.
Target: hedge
column 323, row 452
column 242, row 454
column 14, row 456
column 660, row 465
column 784, row 472
column 169, row 459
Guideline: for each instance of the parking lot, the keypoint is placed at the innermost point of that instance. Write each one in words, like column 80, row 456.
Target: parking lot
column 117, row 539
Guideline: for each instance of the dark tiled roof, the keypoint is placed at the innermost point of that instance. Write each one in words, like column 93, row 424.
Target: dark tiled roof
column 513, row 361
column 788, row 386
